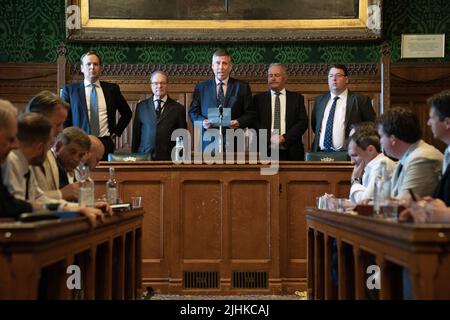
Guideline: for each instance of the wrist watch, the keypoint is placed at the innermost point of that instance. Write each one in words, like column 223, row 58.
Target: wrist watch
column 355, row 180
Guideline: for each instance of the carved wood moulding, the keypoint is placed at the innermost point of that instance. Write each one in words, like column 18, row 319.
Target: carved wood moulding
column 239, row 70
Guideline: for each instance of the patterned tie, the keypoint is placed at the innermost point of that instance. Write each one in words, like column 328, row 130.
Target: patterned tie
column 277, row 113
column 328, row 140
column 93, row 113
column 220, row 95
column 158, row 108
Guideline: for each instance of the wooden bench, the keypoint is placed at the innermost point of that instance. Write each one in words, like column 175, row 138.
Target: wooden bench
column 34, row 258
column 423, row 249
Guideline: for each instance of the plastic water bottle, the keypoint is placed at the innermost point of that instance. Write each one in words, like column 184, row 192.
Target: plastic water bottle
column 112, row 188
column 382, row 192
column 179, row 149
column 86, row 189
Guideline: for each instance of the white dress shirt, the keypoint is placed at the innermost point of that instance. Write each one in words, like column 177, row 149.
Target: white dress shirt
column 364, row 191
column 14, row 170
column 102, row 113
column 338, row 123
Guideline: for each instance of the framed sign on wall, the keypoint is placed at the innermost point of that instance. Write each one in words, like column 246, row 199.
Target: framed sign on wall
column 223, row 20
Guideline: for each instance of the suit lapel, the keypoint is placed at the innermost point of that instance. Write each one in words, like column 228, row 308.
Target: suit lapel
column 321, row 112
column 230, row 86
column 82, row 97
column 165, row 111
column 348, row 108
column 267, row 110
column 212, row 94
column 289, row 111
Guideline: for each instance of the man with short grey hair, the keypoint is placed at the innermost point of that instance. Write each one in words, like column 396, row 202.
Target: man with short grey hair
column 282, row 111
column 10, row 207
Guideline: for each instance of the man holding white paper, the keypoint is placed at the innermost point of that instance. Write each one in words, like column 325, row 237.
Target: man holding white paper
column 222, row 92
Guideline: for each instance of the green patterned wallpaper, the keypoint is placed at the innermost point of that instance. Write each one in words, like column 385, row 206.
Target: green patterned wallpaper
column 30, row 31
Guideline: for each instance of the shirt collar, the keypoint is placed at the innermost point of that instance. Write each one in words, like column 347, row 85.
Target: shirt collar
column 411, row 148
column 225, row 82
column 163, row 99
column 88, row 84
column 341, row 96
column 282, row 92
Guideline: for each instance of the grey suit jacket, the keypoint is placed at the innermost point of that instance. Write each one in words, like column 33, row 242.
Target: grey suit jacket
column 421, row 171
column 47, row 176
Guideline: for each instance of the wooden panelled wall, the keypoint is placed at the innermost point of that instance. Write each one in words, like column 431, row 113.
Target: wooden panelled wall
column 310, row 80
column 408, row 84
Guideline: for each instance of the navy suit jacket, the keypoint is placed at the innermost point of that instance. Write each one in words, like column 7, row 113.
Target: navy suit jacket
column 296, row 120
column 443, row 189
column 154, row 136
column 359, row 109
column 238, row 97
column 78, row 116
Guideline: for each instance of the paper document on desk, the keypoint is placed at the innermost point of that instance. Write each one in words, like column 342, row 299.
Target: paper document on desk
column 214, row 120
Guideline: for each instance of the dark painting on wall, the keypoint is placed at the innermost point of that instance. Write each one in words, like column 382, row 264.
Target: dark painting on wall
column 224, row 9
column 227, row 20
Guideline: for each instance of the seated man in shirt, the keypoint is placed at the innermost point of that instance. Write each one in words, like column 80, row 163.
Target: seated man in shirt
column 72, row 146
column 55, row 109
column 34, row 135
column 10, row 207
column 365, row 153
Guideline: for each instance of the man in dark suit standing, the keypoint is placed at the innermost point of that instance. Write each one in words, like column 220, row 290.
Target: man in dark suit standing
column 94, row 104
column 155, row 119
column 439, row 121
column 222, row 91
column 336, row 111
column 282, row 110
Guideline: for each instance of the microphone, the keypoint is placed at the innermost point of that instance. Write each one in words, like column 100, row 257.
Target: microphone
column 220, row 109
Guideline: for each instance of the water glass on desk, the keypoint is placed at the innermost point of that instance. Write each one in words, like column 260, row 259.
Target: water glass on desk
column 136, row 202
column 390, row 210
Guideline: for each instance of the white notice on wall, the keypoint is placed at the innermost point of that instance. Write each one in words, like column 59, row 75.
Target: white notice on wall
column 423, row 45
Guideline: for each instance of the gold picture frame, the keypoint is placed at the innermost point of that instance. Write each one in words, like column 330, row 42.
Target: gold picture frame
column 122, row 26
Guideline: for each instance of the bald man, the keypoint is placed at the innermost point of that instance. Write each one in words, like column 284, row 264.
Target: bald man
column 95, row 153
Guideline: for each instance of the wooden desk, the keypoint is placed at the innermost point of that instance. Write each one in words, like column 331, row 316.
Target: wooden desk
column 225, row 229
column 361, row 241
column 34, row 258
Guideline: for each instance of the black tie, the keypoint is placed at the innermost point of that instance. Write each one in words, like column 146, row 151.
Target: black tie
column 27, row 182
column 399, row 170
column 158, row 108
column 277, row 113
column 221, row 95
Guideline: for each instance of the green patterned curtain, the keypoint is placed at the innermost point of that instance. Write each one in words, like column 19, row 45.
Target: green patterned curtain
column 30, row 31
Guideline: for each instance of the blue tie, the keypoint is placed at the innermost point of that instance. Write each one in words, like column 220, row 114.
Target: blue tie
column 328, row 139
column 93, row 113
column 221, row 95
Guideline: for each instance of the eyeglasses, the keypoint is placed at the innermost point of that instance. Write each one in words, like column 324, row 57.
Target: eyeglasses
column 158, row 83
column 337, row 75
